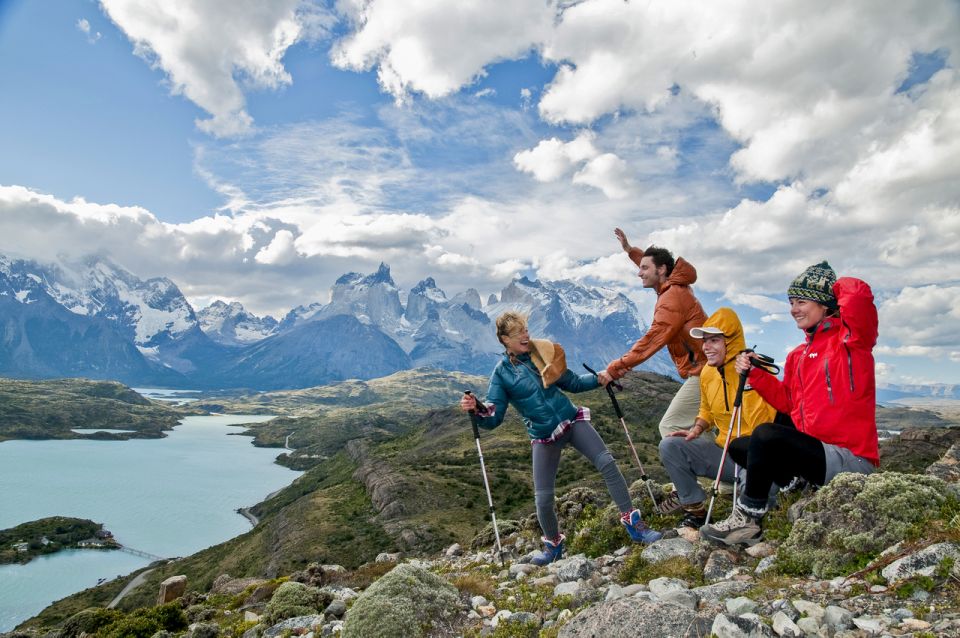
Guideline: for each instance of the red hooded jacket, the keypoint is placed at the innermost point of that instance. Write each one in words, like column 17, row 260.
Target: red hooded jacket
column 828, row 386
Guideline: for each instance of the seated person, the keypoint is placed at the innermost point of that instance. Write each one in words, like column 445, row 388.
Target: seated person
column 686, row 454
column 829, row 390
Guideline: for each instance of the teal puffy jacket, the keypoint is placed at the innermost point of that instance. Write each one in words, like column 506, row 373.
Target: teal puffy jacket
column 542, row 409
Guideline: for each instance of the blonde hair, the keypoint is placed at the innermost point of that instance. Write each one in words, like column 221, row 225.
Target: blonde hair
column 510, row 323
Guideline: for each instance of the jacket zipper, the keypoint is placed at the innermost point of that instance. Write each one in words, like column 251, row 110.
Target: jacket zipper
column 849, row 360
column 826, row 371
column 723, row 379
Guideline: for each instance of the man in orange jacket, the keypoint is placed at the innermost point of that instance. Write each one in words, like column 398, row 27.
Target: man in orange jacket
column 677, row 311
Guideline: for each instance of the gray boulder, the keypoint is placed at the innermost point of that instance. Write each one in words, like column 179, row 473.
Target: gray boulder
column 635, row 618
column 668, row 548
column 922, row 563
column 745, row 626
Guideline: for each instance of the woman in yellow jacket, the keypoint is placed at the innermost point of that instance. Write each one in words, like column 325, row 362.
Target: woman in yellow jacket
column 687, row 454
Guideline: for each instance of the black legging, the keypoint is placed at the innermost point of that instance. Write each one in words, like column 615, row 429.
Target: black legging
column 775, row 453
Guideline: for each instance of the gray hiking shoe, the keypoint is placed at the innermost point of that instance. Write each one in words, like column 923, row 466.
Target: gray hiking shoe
column 737, row 529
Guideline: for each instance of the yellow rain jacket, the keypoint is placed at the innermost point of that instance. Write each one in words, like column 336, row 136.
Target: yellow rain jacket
column 718, row 386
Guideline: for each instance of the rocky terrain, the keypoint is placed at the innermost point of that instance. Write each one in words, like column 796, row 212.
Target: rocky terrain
column 821, row 572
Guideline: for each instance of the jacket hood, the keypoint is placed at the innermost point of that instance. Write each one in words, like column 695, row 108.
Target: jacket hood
column 727, row 320
column 683, row 274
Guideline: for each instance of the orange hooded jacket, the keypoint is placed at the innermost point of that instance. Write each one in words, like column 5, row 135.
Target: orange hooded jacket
column 676, row 311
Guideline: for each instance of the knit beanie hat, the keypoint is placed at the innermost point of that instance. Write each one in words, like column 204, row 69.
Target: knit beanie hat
column 816, row 284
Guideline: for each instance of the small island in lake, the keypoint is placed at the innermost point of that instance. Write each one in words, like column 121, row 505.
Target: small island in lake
column 26, row 541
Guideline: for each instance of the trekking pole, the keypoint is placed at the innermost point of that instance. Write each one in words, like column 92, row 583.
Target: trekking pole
column 636, row 457
column 486, row 483
column 765, row 363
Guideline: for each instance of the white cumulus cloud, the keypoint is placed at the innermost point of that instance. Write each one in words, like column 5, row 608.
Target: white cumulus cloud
column 212, row 50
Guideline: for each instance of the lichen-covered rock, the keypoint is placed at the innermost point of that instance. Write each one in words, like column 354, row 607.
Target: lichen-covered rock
column 635, row 618
column 294, row 599
column 404, row 603
column 948, row 467
column 855, row 517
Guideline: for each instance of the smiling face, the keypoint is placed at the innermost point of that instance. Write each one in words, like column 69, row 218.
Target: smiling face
column 651, row 275
column 806, row 313
column 715, row 349
column 517, row 342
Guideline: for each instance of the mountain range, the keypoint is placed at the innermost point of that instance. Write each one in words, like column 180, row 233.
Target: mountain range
column 93, row 318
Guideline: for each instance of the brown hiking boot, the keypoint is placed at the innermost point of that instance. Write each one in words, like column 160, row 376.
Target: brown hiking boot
column 737, row 529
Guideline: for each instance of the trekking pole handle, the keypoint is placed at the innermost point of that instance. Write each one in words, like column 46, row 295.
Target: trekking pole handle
column 473, row 415
column 609, row 388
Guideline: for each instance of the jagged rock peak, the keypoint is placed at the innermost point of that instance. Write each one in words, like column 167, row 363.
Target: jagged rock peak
column 382, row 276
column 492, row 299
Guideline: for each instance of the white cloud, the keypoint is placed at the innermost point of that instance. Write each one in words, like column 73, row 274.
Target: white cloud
column 435, row 47
column 924, row 320
column 207, row 49
column 84, row 26
column 608, row 173
column 552, row 159
column 280, row 251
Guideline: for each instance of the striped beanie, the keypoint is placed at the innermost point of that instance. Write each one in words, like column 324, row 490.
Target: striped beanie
column 816, row 284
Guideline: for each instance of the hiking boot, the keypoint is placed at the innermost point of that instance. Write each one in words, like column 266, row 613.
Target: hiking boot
column 737, row 529
column 638, row 530
column 795, row 485
column 670, row 503
column 694, row 518
column 552, row 551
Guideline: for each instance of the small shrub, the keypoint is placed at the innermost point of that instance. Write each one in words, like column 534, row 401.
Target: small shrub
column 598, row 532
column 411, row 598
column 293, row 599
column 144, row 623
column 88, row 621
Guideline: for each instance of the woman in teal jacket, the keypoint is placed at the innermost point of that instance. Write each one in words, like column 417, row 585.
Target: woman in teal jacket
column 531, row 377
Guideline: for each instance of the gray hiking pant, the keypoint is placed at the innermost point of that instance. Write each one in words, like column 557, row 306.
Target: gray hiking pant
column 546, row 461
column 686, row 460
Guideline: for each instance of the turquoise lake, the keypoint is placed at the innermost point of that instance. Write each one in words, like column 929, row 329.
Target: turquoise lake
column 169, row 497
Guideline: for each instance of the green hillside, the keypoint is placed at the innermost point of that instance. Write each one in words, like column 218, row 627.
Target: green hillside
column 422, row 465
column 49, row 409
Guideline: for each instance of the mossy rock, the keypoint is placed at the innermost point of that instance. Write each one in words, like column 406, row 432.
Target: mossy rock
column 405, row 603
column 855, row 517
column 294, row 599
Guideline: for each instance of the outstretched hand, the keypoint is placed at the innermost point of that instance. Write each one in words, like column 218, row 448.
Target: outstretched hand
column 622, row 238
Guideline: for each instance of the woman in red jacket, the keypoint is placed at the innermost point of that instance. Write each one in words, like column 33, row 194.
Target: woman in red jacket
column 829, row 391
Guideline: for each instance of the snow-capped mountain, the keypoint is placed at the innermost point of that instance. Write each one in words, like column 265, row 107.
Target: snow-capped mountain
column 94, row 318
column 152, row 314
column 149, row 312
column 231, row 325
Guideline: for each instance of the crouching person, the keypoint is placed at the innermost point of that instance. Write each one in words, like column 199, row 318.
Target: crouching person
column 688, row 454
column 530, row 377
column 829, row 390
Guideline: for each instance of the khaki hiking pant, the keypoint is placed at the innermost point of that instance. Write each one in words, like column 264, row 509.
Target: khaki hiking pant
column 684, row 408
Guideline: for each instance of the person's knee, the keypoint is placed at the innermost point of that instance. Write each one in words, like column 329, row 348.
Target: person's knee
column 764, row 435
column 670, row 447
column 544, row 498
column 602, row 460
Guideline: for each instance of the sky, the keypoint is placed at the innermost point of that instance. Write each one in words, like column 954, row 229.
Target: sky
column 255, row 151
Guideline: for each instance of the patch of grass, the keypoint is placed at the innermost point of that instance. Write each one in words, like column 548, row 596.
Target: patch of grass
column 524, row 597
column 637, row 570
column 475, row 584
column 363, row 576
